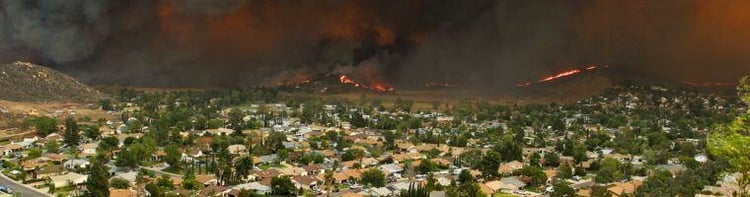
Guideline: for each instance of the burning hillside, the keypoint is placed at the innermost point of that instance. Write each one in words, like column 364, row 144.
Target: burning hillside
column 378, row 87
column 561, row 75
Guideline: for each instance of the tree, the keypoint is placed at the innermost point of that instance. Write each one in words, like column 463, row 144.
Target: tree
column 173, row 157
column 373, row 177
column 602, row 191
column 465, row 190
column 45, row 125
column 534, row 160
column 189, row 181
column 465, row 176
column 71, row 137
column 730, row 141
column 92, row 132
column 312, row 157
column 282, row 186
column 165, row 182
column 415, row 191
column 106, row 105
column 564, row 172
column 579, row 171
column 660, row 183
column 490, row 164
column 97, row 183
column 562, row 189
column 282, row 155
column 34, row 153
column 352, row 154
column 609, row 170
column 243, row 166
column 52, row 146
column 579, row 154
column 154, row 190
column 535, row 173
column 426, row 166
column 248, row 193
column 275, row 141
column 109, row 143
column 551, row 159
column 510, row 151
column 357, row 120
column 119, row 183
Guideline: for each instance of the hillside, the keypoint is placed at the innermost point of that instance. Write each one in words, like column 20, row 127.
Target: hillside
column 26, row 82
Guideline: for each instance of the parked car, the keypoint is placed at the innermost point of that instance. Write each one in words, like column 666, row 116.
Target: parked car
column 6, row 189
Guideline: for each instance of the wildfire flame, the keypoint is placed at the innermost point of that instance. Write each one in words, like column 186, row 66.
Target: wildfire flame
column 563, row 74
column 378, row 87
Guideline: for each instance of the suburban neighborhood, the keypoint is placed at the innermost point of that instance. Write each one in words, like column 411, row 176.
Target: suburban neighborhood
column 625, row 142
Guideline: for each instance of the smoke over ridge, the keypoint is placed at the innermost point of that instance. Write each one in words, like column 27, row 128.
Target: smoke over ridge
column 488, row 43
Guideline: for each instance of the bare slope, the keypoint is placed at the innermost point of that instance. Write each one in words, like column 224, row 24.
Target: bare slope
column 26, row 82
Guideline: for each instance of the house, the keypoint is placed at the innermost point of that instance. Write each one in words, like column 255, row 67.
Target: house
column 270, row 173
column 583, row 184
column 514, row 181
column 551, row 174
column 378, row 191
column 510, row 167
column 56, row 158
column 206, row 179
column 76, row 163
column 619, row 189
column 268, row 159
column 159, row 155
column 499, row 186
column 122, row 193
column 352, row 194
column 307, row 182
column 391, row 169
column 131, row 176
column 219, row 131
column 50, row 170
column 237, row 149
column 314, row 169
column 441, row 161
column 438, row 194
column 27, row 143
column 70, row 178
column 214, row 190
column 254, row 186
column 398, row 186
column 89, row 149
column 291, row 145
column 4, row 151
column 348, row 175
column 192, row 155
column 13, row 148
column 293, row 171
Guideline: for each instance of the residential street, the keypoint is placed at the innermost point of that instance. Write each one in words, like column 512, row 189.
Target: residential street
column 25, row 191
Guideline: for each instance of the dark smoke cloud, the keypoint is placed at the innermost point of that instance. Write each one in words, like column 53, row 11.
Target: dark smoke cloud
column 490, row 43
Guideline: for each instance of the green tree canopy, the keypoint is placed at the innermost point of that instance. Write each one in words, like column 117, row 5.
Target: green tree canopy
column 730, row 141
column 373, row 177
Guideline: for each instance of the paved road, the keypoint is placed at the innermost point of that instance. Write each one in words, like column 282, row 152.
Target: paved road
column 26, row 191
column 159, row 172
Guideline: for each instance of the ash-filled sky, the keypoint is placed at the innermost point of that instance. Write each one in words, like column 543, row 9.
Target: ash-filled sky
column 487, row 43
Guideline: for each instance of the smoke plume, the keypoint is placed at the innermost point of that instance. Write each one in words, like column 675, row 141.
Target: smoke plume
column 488, row 43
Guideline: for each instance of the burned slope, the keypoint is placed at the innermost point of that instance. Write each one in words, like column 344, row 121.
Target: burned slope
column 26, row 82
